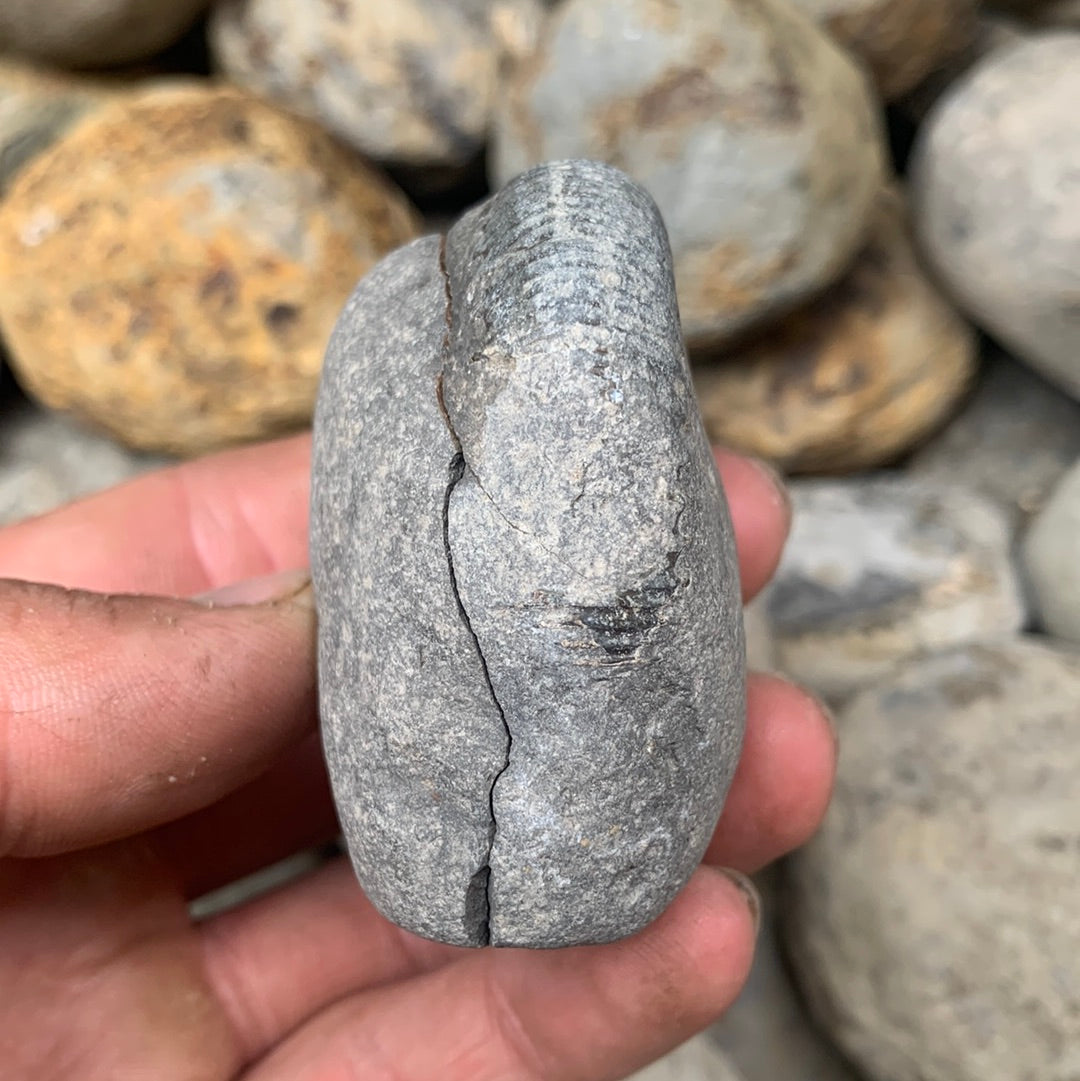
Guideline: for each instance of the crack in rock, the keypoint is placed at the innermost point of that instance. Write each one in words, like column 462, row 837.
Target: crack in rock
column 478, row 895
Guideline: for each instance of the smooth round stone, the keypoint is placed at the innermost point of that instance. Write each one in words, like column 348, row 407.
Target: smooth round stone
column 900, row 41
column 853, row 379
column 756, row 135
column 411, row 82
column 1012, row 441
column 933, row 919
column 37, row 106
column 1052, row 559
column 94, row 33
column 46, row 461
column 531, row 650
column 180, row 293
column 878, row 570
column 996, row 185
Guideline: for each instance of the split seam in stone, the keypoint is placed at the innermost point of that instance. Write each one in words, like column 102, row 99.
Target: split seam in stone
column 480, row 885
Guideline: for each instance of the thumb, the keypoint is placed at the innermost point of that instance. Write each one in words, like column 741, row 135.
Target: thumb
column 118, row 713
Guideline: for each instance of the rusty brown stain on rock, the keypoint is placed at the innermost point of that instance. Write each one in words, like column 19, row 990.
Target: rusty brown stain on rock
column 851, row 379
column 174, row 307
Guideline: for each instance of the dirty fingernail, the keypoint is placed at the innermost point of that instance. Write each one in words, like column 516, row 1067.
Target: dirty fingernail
column 285, row 586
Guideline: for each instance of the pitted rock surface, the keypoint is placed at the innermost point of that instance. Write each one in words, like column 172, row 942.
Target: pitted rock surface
column 531, row 646
column 932, row 919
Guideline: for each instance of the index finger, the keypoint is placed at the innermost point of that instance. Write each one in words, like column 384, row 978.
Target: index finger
column 243, row 514
column 180, row 531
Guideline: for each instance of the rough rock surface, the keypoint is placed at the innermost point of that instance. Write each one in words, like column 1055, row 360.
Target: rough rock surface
column 94, row 33
column 755, row 134
column 696, row 1060
column 36, row 107
column 1052, row 559
column 530, row 719
column 404, row 81
column 1012, row 441
column 46, row 460
column 222, row 236
column 900, row 41
column 878, row 570
column 933, row 918
column 854, row 378
column 1005, row 136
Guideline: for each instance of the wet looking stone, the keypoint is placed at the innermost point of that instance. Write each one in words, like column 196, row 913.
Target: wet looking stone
column 531, row 652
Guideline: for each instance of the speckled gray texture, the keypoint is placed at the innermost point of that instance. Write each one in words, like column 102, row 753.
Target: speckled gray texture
column 933, row 919
column 880, row 569
column 47, row 460
column 531, row 647
column 995, row 178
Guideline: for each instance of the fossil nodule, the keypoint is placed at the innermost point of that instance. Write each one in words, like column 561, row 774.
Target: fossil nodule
column 531, row 655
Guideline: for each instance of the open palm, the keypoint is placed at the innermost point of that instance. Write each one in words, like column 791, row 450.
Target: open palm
column 154, row 748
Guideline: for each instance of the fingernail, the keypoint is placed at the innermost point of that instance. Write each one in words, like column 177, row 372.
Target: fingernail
column 293, row 587
column 776, row 481
column 749, row 892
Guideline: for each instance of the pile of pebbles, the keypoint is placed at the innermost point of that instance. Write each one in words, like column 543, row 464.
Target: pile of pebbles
column 874, row 210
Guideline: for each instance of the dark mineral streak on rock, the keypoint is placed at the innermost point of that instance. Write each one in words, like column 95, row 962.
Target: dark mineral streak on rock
column 403, row 692
column 530, row 639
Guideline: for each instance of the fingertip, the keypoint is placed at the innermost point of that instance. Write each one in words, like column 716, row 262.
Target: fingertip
column 760, row 513
column 784, row 779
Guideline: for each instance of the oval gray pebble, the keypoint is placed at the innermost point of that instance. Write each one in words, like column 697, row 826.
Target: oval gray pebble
column 531, row 649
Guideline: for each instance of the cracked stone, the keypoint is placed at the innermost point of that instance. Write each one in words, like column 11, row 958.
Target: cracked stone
column 531, row 651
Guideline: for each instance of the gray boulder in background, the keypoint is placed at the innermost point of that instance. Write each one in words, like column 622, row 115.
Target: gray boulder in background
column 933, row 920
column 1051, row 554
column 532, row 669
column 756, row 135
column 880, row 569
column 995, row 178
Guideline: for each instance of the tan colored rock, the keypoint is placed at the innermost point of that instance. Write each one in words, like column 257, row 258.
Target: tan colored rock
column 853, row 379
column 766, row 1033
column 171, row 269
column 882, row 569
column 933, row 919
column 411, row 82
column 94, row 33
column 900, row 41
column 756, row 135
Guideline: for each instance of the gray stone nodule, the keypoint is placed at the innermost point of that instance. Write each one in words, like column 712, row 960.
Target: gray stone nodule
column 532, row 673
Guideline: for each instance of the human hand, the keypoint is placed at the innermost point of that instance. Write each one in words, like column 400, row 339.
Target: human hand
column 152, row 749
